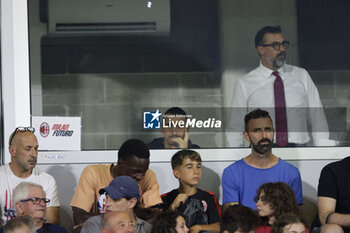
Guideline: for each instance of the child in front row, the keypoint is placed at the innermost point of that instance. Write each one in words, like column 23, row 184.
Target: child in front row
column 200, row 208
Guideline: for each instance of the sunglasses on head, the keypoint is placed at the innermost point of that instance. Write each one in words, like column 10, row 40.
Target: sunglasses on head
column 20, row 129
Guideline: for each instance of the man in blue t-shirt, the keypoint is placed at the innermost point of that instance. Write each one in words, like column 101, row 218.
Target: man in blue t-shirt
column 241, row 180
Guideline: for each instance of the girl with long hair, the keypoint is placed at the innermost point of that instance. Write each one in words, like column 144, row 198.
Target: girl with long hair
column 272, row 201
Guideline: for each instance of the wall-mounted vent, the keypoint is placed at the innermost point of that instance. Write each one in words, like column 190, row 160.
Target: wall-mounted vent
column 108, row 17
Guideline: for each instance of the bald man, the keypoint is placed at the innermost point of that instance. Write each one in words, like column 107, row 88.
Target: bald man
column 117, row 222
column 23, row 147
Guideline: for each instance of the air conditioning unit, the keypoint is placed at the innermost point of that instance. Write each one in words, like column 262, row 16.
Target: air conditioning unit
column 108, row 17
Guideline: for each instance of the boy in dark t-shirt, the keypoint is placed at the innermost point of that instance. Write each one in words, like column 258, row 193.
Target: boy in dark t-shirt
column 200, row 208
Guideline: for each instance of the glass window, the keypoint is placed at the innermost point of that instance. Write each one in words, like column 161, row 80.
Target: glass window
column 1, row 115
column 82, row 67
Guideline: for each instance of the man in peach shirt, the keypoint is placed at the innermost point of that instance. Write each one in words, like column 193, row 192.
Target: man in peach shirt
column 133, row 161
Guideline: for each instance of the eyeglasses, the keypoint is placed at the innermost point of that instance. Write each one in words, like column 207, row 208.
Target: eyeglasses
column 20, row 129
column 277, row 45
column 36, row 200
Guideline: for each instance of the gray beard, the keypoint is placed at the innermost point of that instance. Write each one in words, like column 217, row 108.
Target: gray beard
column 278, row 63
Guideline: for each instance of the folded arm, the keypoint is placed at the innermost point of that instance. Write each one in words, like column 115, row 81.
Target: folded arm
column 326, row 206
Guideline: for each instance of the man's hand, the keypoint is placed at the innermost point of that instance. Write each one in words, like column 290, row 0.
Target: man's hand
column 195, row 228
column 214, row 228
column 180, row 142
column 224, row 206
column 181, row 198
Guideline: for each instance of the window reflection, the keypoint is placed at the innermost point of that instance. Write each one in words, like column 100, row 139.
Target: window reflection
column 109, row 80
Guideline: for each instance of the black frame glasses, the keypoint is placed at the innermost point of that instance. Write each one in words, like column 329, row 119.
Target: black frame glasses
column 277, row 45
column 20, row 129
column 37, row 200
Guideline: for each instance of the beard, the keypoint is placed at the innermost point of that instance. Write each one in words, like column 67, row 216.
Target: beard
column 26, row 165
column 262, row 148
column 279, row 60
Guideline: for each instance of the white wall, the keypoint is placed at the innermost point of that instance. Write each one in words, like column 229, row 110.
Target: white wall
column 14, row 67
column 67, row 175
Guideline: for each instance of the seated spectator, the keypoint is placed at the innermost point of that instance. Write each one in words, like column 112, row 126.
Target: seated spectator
column 241, row 179
column 117, row 222
column 133, row 161
column 289, row 223
column 187, row 168
column 22, row 224
column 23, row 147
column 173, row 137
column 239, row 219
column 273, row 200
column 30, row 200
column 122, row 194
column 170, row 222
column 334, row 197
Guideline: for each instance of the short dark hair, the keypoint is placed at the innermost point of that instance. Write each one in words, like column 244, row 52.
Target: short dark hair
column 255, row 114
column 239, row 218
column 281, row 198
column 181, row 155
column 175, row 111
column 133, row 147
column 18, row 223
column 286, row 219
column 165, row 222
column 260, row 35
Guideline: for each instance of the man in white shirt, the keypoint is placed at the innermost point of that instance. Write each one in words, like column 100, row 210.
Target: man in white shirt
column 256, row 90
column 23, row 147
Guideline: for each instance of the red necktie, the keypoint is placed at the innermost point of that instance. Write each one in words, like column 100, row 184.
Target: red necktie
column 280, row 111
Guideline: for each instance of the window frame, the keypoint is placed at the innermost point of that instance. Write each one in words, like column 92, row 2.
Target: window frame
column 17, row 102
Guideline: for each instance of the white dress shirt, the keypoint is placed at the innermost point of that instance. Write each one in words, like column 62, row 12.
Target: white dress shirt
column 304, row 107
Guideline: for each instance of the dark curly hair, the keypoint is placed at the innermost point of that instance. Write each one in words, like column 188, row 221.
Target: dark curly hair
column 281, row 198
column 133, row 147
column 239, row 218
column 286, row 219
column 165, row 222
